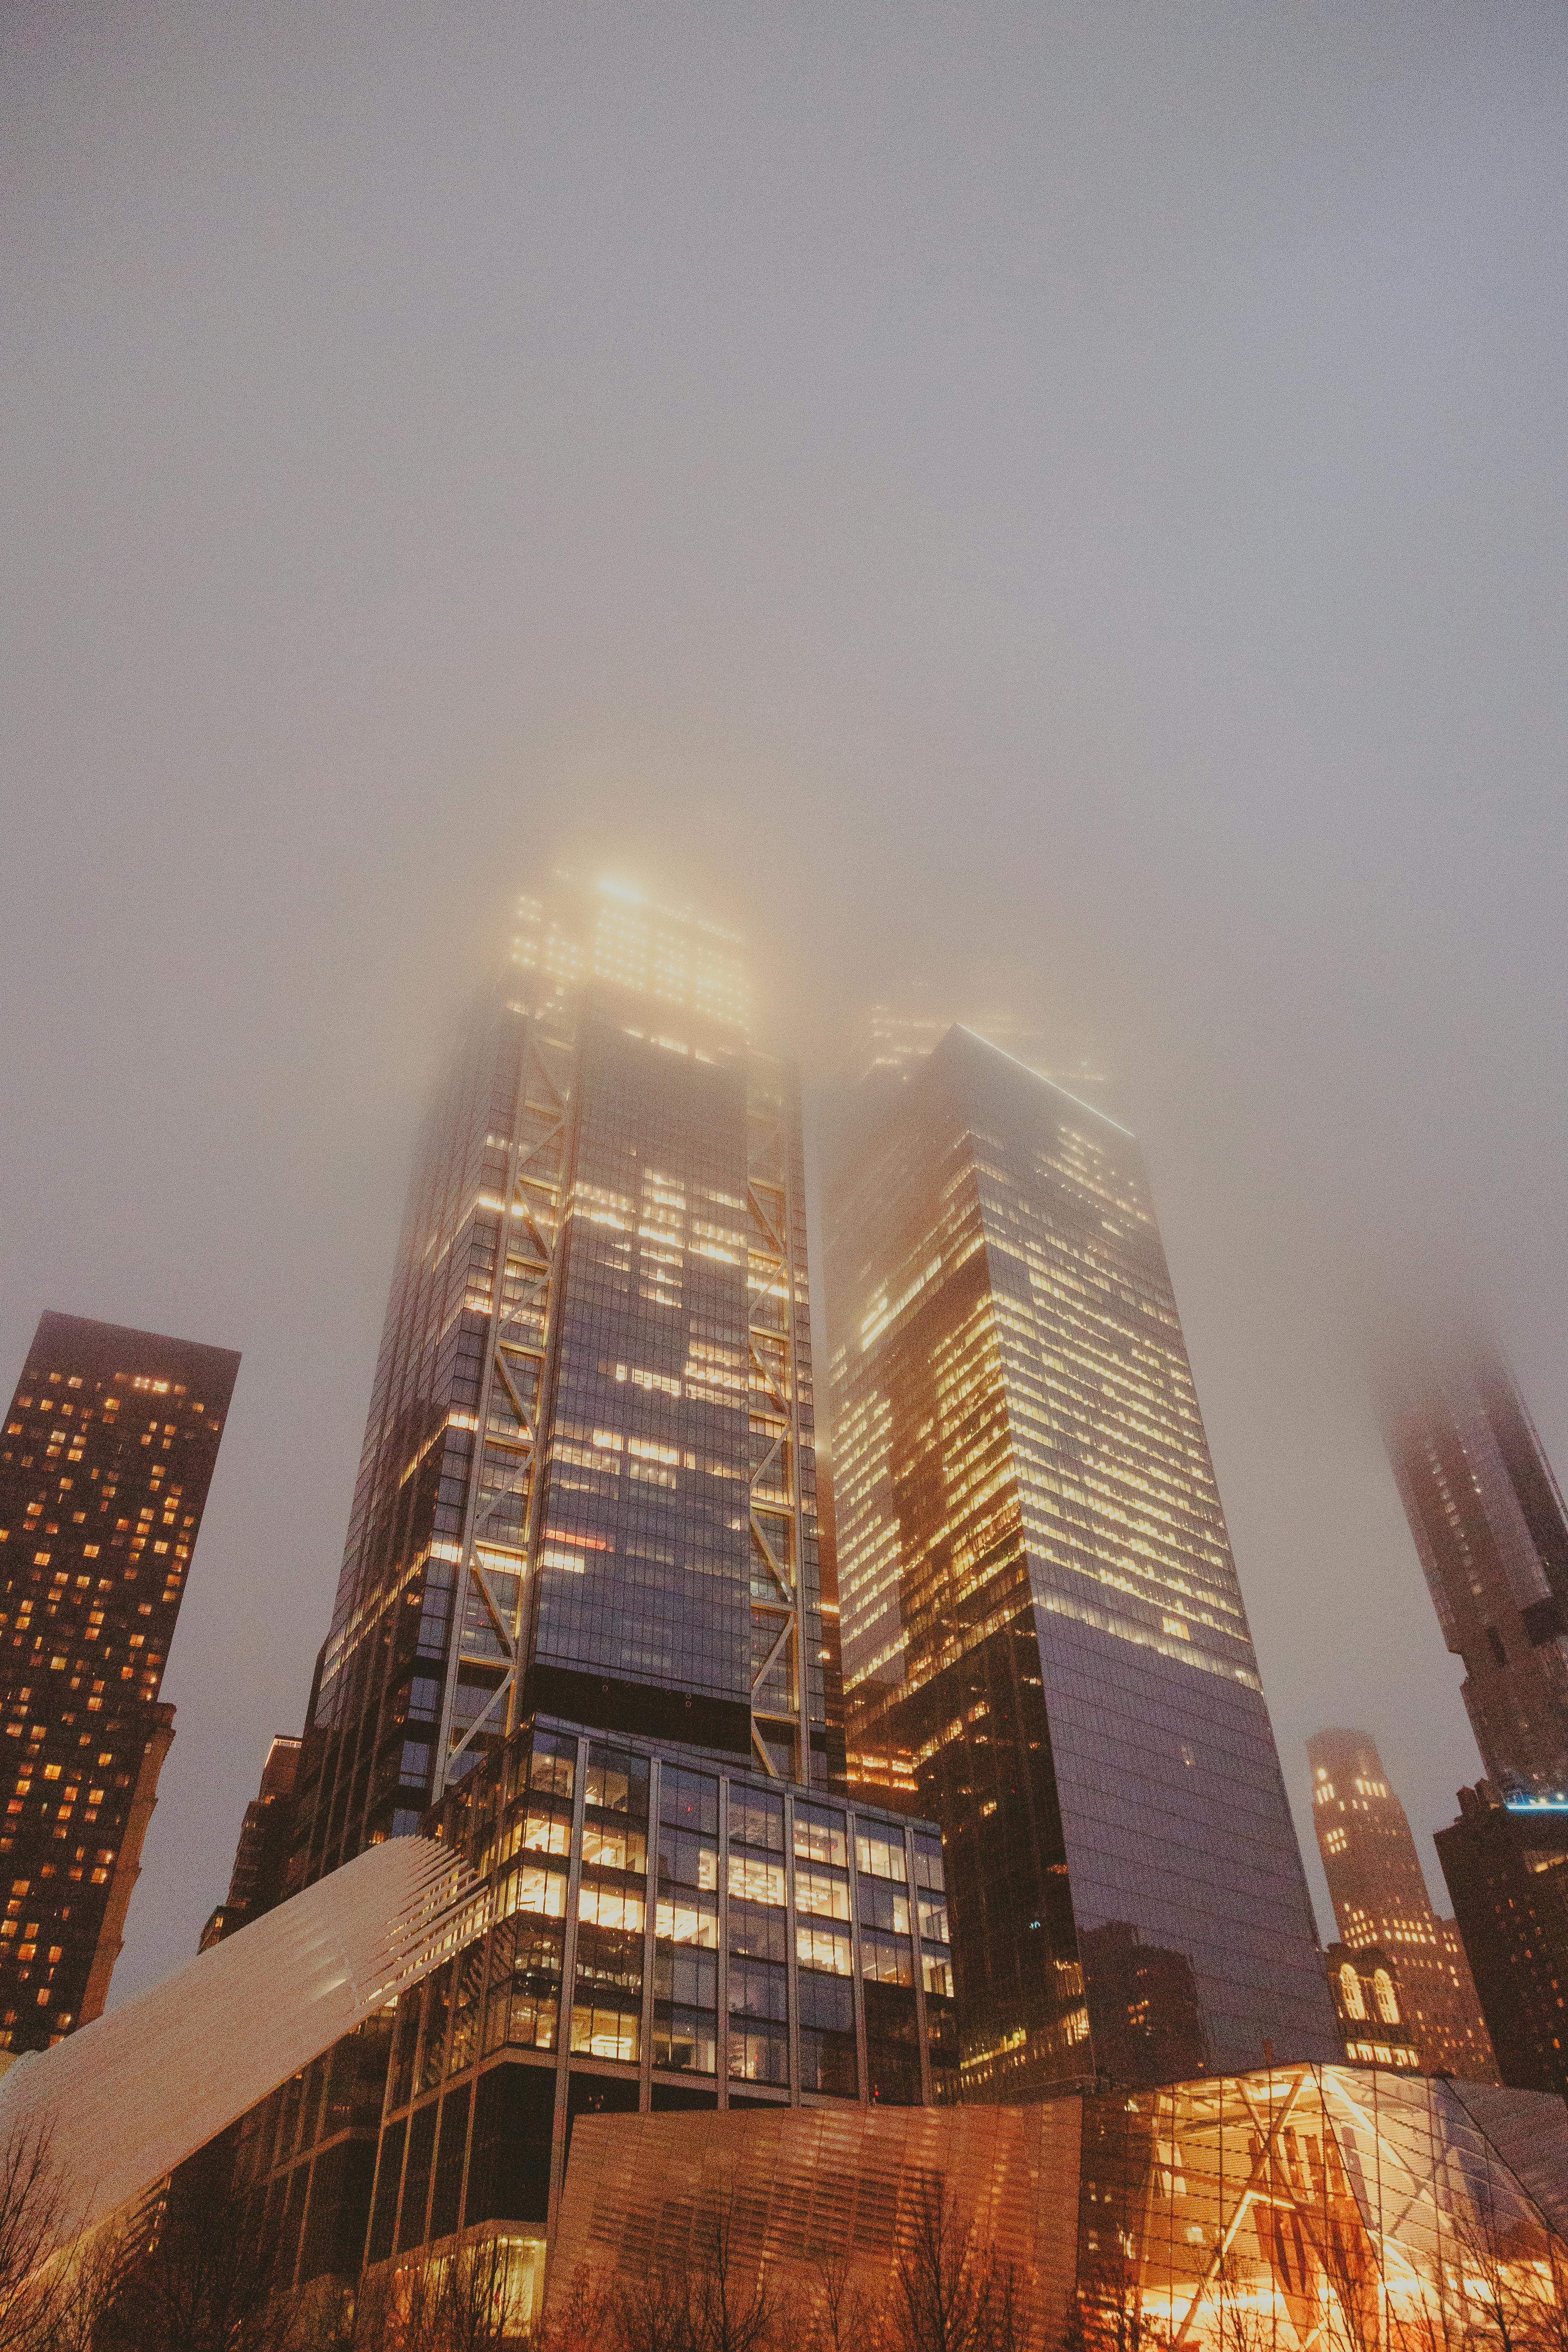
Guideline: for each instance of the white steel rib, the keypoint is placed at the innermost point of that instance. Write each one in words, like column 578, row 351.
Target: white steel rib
column 130, row 2095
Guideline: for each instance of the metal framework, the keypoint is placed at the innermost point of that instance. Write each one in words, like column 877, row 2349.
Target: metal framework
column 778, row 1709
column 500, row 1524
column 125, row 2099
column 496, row 1573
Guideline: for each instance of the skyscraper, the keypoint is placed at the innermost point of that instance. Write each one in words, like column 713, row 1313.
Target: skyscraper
column 1379, row 1894
column 258, row 1880
column 108, row 1453
column 1044, row 1638
column 587, row 1485
column 1489, row 1524
column 1507, row 1870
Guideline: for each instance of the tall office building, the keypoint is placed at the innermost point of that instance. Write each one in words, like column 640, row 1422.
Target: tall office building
column 586, row 1487
column 1044, row 1640
column 1489, row 1524
column 108, row 1453
column 1379, row 1894
column 1506, row 1864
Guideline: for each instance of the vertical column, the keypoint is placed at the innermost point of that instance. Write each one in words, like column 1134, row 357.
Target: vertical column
column 791, row 1962
column 644, row 2040
column 723, row 2052
column 568, row 1979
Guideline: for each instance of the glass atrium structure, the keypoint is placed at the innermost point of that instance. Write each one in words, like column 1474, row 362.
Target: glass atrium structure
column 1045, row 1646
column 588, row 1484
column 1299, row 2208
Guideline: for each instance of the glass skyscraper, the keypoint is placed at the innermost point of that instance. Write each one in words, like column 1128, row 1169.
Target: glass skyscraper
column 1489, row 1526
column 1045, row 1646
column 587, row 1482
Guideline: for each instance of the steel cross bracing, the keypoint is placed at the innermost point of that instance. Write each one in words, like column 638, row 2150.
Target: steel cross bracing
column 777, row 1679
column 500, row 1511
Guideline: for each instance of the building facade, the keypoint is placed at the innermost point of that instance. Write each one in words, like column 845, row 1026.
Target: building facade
column 1044, row 1643
column 259, row 1879
column 1379, row 1894
column 1488, row 1523
column 1506, row 1864
column 1373, row 2019
column 1284, row 2211
column 588, row 1484
column 654, row 1936
column 108, row 1451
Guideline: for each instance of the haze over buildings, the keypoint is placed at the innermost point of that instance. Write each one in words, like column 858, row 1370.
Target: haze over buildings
column 1071, row 516
column 587, row 1482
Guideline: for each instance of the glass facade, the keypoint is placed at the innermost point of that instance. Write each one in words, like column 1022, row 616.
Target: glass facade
column 1299, row 2208
column 108, row 1451
column 1506, row 1864
column 1044, row 1641
column 658, row 1935
column 589, row 1478
column 1489, row 1526
column 1379, row 1894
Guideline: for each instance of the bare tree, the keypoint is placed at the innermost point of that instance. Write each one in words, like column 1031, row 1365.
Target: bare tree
column 208, row 2283
column 651, row 2314
column 580, row 2320
column 843, row 2317
column 34, row 2226
column 950, row 2293
column 1510, row 2291
column 479, row 2307
column 734, row 2301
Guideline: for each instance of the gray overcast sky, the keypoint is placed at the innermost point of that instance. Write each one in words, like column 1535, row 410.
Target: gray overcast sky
column 1064, row 502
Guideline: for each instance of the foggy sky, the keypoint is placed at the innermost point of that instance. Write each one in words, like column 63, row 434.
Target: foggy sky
column 1066, row 503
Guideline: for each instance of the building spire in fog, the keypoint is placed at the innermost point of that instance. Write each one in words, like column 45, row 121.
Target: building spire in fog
column 1488, row 1523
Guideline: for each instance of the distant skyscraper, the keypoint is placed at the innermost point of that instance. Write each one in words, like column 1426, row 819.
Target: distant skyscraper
column 1043, row 1639
column 108, row 1451
column 260, row 1878
column 1488, row 1523
column 1507, row 1870
column 588, row 1483
column 1379, row 1894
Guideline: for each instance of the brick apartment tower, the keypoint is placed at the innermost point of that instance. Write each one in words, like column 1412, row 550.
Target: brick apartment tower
column 106, row 1459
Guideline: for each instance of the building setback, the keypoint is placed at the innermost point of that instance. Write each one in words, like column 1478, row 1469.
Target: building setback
column 1379, row 1894
column 587, row 1482
column 1506, row 1864
column 1045, row 1646
column 1489, row 1526
column 108, row 1453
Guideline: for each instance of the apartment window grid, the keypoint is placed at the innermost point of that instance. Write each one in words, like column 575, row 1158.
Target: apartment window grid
column 106, row 1456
